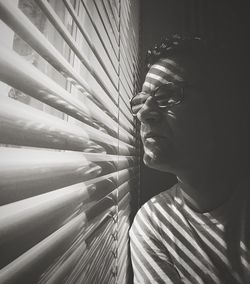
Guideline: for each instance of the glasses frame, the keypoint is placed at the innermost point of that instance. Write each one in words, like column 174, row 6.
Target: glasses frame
column 153, row 94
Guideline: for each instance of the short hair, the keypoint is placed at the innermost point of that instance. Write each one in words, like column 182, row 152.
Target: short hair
column 230, row 57
column 175, row 45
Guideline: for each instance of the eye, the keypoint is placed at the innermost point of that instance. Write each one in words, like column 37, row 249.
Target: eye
column 168, row 95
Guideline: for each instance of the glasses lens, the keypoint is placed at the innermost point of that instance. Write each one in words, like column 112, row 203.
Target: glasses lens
column 165, row 96
column 168, row 95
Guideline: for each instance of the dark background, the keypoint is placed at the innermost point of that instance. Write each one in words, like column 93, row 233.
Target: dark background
column 216, row 20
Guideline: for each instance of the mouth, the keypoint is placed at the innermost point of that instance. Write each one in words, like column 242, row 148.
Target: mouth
column 149, row 136
column 152, row 138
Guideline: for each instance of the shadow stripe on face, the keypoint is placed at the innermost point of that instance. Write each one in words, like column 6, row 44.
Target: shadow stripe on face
column 164, row 72
column 148, row 87
column 171, row 65
column 243, row 246
column 156, row 80
column 245, row 262
column 244, row 256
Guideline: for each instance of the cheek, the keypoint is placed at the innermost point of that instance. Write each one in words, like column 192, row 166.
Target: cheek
column 191, row 129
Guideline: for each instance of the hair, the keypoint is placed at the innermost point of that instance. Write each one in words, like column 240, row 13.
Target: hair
column 197, row 46
column 220, row 61
column 174, row 45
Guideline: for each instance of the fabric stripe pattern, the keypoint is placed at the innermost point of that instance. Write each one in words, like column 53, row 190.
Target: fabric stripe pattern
column 171, row 243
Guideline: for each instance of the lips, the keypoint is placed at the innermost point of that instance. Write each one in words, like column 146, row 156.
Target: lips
column 153, row 136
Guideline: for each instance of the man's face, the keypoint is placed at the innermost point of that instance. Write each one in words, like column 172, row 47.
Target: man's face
column 179, row 137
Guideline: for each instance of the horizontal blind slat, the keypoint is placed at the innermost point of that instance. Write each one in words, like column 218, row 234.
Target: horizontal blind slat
column 14, row 71
column 28, row 216
column 93, row 247
column 89, row 41
column 125, row 84
column 101, row 243
column 123, row 241
column 128, row 29
column 123, row 176
column 100, row 31
column 44, row 213
column 65, row 266
column 20, row 169
column 50, row 13
column 13, row 17
column 112, row 125
column 101, row 206
column 127, row 61
column 124, row 222
column 130, row 58
column 105, row 262
column 125, row 188
column 39, row 89
column 92, row 165
column 24, row 125
column 114, row 12
column 111, row 19
column 123, row 202
column 102, row 186
column 127, row 42
column 38, row 257
column 113, row 37
column 15, row 216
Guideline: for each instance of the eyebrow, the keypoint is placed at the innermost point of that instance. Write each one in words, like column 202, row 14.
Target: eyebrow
column 149, row 85
column 170, row 64
column 169, row 61
column 157, row 78
column 167, row 72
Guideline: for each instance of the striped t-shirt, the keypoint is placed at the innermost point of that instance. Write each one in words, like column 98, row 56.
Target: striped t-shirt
column 171, row 243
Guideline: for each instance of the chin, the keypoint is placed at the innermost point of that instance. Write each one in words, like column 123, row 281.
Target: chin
column 156, row 162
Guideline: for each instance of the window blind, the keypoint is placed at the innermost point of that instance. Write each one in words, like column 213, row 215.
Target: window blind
column 69, row 147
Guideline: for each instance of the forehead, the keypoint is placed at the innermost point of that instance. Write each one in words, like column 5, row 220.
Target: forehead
column 162, row 72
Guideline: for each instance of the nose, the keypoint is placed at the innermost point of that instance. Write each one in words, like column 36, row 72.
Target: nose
column 149, row 112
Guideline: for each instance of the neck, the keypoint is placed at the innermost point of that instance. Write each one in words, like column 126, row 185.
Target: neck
column 205, row 190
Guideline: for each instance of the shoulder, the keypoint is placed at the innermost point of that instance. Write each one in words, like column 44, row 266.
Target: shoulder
column 165, row 200
column 157, row 211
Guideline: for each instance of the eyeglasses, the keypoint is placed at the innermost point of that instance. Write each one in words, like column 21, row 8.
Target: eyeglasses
column 166, row 96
